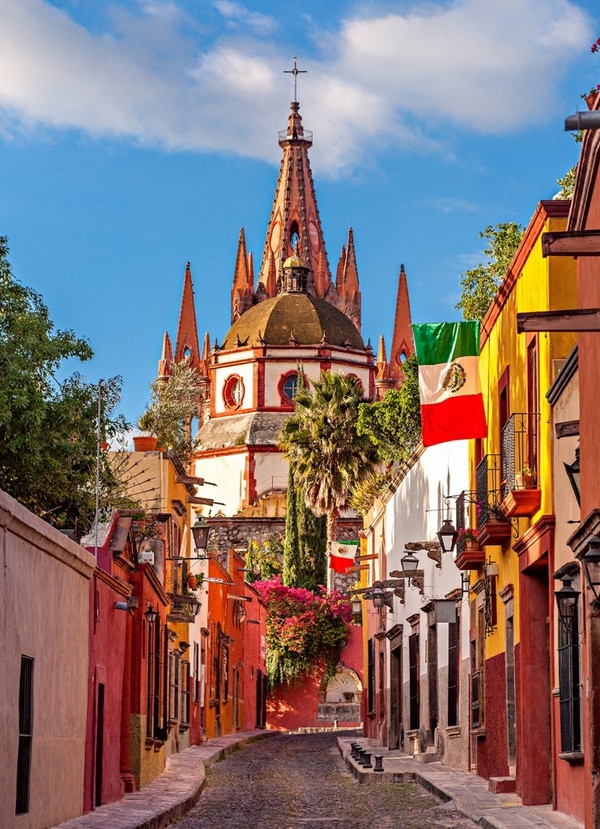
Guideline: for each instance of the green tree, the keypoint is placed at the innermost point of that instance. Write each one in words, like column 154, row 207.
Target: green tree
column 321, row 442
column 394, row 423
column 480, row 284
column 48, row 429
column 173, row 404
column 305, row 545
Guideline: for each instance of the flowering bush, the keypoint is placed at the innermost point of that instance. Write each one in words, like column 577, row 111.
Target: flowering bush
column 466, row 534
column 305, row 631
column 595, row 46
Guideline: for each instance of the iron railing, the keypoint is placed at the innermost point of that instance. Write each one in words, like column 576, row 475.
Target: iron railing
column 519, row 444
column 488, row 493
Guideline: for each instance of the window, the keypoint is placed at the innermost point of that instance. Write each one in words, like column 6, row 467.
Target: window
column 413, row 679
column 233, row 392
column 185, row 692
column 289, row 386
column 569, row 684
column 453, row 671
column 25, row 735
column 371, row 677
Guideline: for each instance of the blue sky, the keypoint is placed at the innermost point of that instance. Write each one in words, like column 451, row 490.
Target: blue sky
column 135, row 136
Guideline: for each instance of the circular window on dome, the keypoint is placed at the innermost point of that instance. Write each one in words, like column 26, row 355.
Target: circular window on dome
column 233, row 392
column 288, row 387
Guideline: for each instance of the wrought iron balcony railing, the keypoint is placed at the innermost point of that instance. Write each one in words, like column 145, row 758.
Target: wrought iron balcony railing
column 519, row 442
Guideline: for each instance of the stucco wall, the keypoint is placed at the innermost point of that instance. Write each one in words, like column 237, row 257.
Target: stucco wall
column 44, row 596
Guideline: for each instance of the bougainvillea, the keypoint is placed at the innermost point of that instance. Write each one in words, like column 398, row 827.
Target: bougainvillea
column 305, row 631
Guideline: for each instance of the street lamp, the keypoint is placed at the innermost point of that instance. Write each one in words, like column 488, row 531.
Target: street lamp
column 447, row 535
column 590, row 558
column 200, row 531
column 151, row 614
column 378, row 596
column 566, row 603
column 410, row 564
column 574, row 475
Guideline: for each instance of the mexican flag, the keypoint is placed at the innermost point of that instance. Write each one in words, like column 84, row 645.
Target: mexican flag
column 449, row 388
column 341, row 557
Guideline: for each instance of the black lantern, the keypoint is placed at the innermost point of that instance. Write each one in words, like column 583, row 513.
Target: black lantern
column 151, row 614
column 566, row 602
column 194, row 606
column 574, row 475
column 447, row 535
column 590, row 559
column 410, row 564
column 378, row 596
column 200, row 531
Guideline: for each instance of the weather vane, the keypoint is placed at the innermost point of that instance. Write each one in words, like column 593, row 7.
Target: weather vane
column 295, row 72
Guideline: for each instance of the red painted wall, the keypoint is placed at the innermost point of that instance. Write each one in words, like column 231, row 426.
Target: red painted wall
column 491, row 749
column 290, row 707
column 106, row 667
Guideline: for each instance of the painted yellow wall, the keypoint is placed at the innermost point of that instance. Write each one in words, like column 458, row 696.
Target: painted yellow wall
column 541, row 284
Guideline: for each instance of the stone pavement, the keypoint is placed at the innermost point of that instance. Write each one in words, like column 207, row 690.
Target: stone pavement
column 469, row 793
column 178, row 788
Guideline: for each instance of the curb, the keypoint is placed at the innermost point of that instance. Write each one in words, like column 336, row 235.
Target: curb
column 169, row 796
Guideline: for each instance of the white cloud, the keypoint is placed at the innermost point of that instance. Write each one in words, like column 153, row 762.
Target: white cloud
column 398, row 80
column 238, row 14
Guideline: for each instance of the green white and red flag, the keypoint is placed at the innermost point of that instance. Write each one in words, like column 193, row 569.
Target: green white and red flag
column 449, row 387
column 341, row 556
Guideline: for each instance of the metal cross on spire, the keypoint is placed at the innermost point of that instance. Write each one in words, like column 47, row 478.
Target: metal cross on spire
column 295, row 72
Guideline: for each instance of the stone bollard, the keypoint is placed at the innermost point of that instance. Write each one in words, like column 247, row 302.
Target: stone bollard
column 378, row 762
column 354, row 750
column 367, row 760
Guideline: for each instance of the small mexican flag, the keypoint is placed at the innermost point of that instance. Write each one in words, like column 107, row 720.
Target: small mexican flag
column 341, row 557
column 449, row 388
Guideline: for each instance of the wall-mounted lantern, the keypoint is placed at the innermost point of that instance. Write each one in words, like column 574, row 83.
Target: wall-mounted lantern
column 447, row 535
column 574, row 475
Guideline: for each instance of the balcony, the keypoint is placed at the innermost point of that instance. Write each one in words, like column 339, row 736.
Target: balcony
column 492, row 524
column 470, row 555
column 521, row 496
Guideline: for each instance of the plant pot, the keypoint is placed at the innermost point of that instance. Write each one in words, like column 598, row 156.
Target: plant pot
column 524, row 480
column 192, row 581
column 145, row 443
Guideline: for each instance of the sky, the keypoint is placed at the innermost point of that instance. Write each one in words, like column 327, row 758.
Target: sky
column 137, row 135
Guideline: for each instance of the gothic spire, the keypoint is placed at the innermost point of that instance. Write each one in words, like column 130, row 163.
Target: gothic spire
column 402, row 339
column 294, row 215
column 243, row 280
column 186, row 342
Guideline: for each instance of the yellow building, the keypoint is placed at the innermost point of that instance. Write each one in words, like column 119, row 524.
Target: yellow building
column 511, row 506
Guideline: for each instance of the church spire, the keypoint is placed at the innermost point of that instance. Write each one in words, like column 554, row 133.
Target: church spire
column 295, row 219
column 243, row 280
column 347, row 282
column 402, row 339
column 166, row 360
column 186, row 342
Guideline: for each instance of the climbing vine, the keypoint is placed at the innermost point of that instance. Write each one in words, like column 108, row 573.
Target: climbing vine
column 305, row 631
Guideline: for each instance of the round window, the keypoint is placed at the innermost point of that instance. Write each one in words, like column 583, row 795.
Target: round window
column 233, row 392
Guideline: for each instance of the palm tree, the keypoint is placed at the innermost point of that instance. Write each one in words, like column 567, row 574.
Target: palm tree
column 321, row 443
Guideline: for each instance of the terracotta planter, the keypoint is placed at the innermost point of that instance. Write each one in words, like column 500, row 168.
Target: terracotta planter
column 145, row 443
column 192, row 581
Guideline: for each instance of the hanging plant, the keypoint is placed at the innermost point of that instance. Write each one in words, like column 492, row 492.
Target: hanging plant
column 305, row 631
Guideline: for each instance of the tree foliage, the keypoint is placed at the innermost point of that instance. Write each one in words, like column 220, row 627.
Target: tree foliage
column 173, row 404
column 480, row 284
column 305, row 545
column 321, row 442
column 48, row 429
column 394, row 424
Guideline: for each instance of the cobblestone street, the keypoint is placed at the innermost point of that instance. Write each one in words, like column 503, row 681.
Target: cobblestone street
column 301, row 782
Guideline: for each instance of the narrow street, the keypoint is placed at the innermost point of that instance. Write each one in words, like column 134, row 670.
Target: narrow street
column 301, row 782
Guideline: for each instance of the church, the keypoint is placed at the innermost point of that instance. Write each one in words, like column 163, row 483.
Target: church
column 295, row 318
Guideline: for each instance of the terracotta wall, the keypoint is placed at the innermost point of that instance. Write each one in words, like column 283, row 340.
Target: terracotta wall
column 44, row 596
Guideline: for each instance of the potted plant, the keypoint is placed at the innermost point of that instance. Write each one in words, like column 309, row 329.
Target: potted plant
column 524, row 477
column 194, row 580
column 467, row 536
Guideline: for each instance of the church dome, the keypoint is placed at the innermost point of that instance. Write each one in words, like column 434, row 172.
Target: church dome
column 297, row 317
